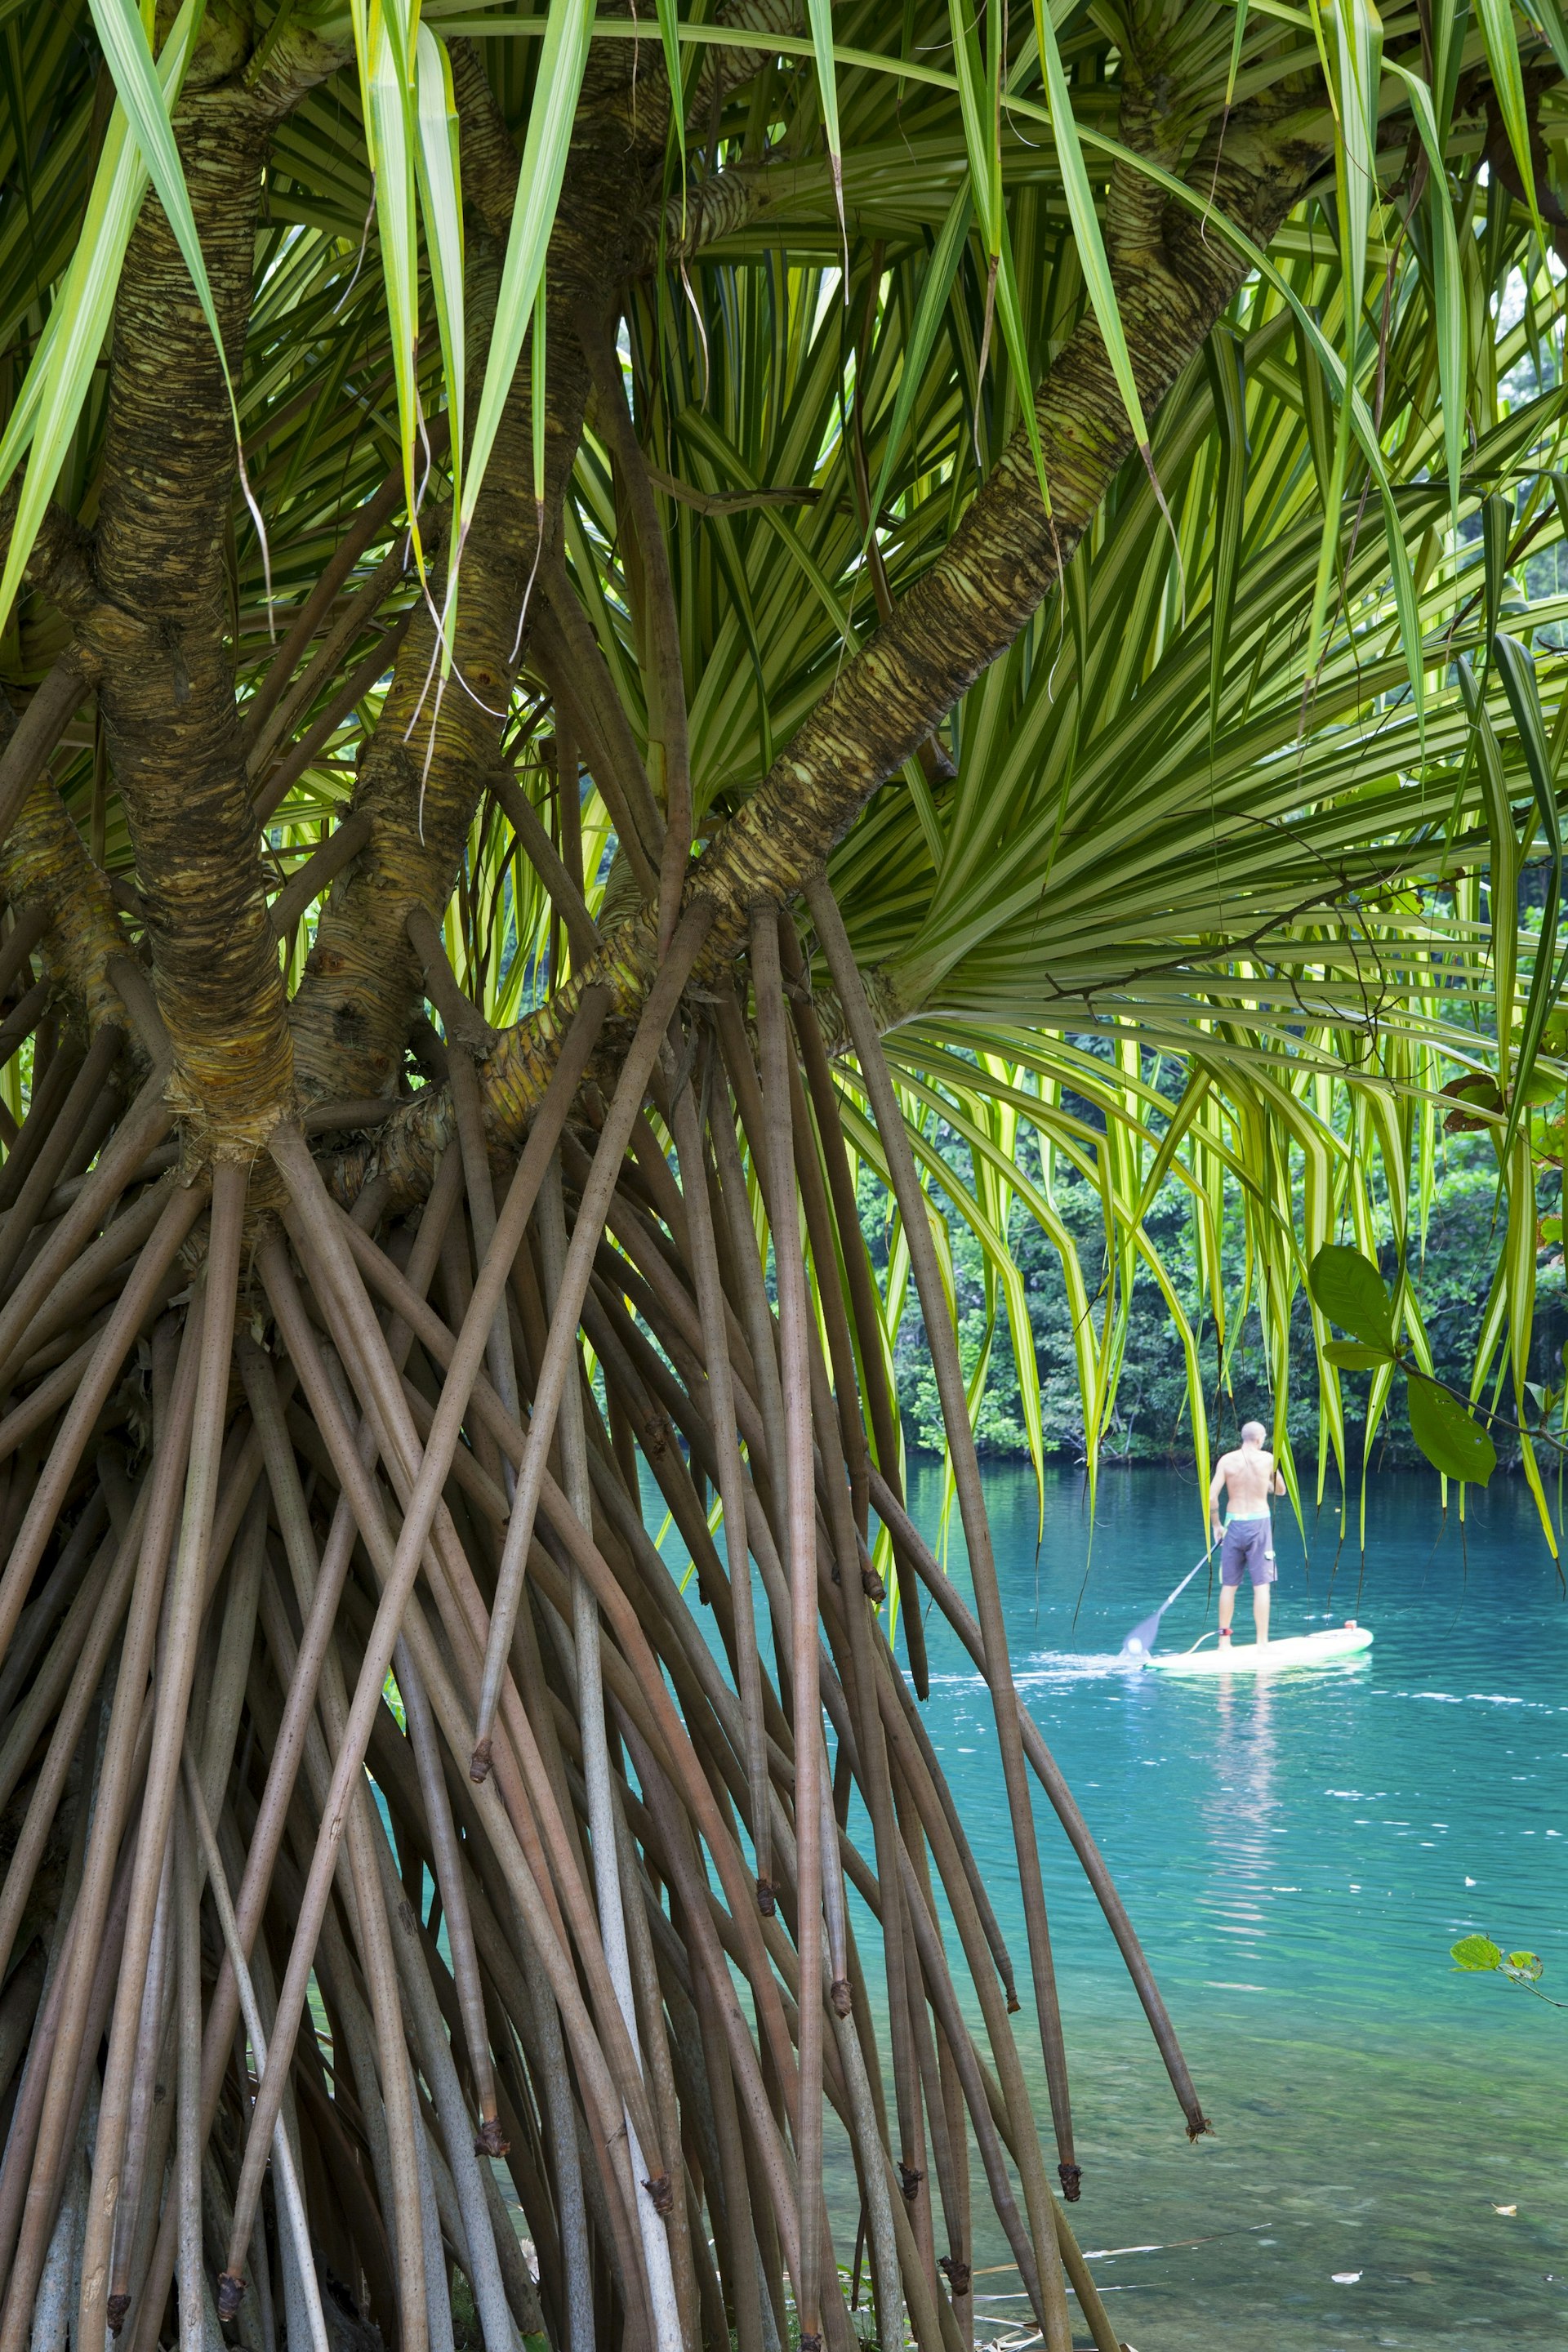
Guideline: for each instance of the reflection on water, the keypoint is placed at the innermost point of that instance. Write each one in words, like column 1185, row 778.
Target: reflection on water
column 1237, row 1818
column 1298, row 1854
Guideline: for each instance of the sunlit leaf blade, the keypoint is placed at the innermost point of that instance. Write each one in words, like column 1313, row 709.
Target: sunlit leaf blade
column 387, row 92
column 1446, row 285
column 1238, row 35
column 148, row 105
column 1091, row 242
column 1353, row 35
column 562, row 57
column 1518, row 674
column 1354, row 1356
column 820, row 13
column 669, row 37
column 441, row 205
column 1224, row 361
column 51, row 401
column 935, row 289
column 1501, row 36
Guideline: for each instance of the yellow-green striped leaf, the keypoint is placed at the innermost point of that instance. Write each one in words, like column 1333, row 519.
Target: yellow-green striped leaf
column 440, row 174
column 1447, row 290
column 57, row 380
column 1091, row 253
column 820, row 13
column 562, row 57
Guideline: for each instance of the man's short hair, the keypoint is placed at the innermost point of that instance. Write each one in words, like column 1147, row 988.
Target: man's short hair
column 1255, row 1430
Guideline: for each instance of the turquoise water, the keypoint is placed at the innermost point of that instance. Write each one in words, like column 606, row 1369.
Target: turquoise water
column 1298, row 1857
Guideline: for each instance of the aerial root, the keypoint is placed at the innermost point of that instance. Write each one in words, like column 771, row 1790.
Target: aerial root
column 327, row 1511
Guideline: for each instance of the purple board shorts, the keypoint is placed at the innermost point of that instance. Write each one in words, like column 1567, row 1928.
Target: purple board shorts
column 1247, row 1550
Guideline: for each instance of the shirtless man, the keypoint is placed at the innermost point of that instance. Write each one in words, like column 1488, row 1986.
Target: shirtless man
column 1249, row 1478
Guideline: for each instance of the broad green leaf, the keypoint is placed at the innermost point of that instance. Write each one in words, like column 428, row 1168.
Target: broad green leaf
column 1451, row 1439
column 1348, row 1289
column 1527, row 1964
column 1476, row 1953
column 1351, row 1356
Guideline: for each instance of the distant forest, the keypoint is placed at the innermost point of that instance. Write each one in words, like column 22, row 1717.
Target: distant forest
column 1453, row 1277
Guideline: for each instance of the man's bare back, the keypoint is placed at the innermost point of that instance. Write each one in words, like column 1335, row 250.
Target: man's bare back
column 1247, row 1478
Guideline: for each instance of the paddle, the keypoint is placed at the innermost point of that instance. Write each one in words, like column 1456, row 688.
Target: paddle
column 1141, row 1639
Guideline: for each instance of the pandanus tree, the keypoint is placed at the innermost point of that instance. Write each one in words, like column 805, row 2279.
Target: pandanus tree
column 620, row 630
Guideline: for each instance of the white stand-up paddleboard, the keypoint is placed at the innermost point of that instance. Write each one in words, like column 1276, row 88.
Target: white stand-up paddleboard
column 1267, row 1657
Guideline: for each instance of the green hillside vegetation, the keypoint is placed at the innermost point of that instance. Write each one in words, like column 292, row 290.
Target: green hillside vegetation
column 1453, row 1271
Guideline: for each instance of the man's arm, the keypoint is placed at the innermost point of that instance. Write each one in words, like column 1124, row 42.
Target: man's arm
column 1215, row 1484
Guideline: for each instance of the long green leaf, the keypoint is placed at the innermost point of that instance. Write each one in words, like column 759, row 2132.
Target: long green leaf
column 936, row 287
column 386, row 82
column 669, row 34
column 1501, row 36
column 1225, row 367
column 140, row 89
column 556, row 88
column 441, row 203
column 51, row 401
column 1447, row 284
column 1091, row 253
column 820, row 13
column 1518, row 673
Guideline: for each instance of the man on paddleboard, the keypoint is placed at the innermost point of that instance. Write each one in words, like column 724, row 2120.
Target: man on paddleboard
column 1246, row 1539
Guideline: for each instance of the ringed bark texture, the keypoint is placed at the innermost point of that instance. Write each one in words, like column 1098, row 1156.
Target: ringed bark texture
column 44, row 864
column 157, row 640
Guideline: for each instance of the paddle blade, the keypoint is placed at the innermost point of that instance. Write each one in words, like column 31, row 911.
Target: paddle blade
column 1141, row 1639
column 1143, row 1636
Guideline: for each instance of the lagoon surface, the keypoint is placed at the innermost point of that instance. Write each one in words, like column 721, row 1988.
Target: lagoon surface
column 1298, row 1857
